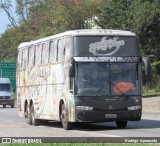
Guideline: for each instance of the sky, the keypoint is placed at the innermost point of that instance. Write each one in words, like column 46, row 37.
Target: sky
column 4, row 22
column 4, row 19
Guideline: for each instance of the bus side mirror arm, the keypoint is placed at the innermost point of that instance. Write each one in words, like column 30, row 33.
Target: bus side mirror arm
column 147, row 64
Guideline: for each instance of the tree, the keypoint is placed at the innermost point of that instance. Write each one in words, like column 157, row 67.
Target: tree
column 9, row 43
column 115, row 15
column 139, row 16
column 54, row 16
column 7, row 6
column 39, row 18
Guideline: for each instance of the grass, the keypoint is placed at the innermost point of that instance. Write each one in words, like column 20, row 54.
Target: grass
column 151, row 91
column 152, row 88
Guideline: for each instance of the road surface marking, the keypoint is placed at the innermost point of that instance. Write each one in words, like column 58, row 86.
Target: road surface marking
column 97, row 134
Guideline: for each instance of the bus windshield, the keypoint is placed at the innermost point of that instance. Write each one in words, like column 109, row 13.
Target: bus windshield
column 104, row 79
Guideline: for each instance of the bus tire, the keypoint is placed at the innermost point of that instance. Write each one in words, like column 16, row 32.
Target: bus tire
column 12, row 105
column 28, row 116
column 4, row 106
column 35, row 121
column 121, row 124
column 64, row 119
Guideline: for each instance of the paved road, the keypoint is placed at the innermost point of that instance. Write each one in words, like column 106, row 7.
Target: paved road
column 11, row 125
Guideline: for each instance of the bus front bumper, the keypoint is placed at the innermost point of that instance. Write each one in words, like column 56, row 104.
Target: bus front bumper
column 104, row 116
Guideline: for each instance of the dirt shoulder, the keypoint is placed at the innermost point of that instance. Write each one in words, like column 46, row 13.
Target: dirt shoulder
column 151, row 104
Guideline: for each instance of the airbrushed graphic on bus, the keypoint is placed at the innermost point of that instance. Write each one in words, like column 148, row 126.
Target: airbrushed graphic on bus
column 45, row 84
column 106, row 44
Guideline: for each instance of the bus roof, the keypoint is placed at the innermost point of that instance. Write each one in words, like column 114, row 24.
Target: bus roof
column 81, row 32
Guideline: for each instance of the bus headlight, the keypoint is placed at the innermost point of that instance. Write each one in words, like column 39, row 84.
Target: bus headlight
column 87, row 108
column 131, row 108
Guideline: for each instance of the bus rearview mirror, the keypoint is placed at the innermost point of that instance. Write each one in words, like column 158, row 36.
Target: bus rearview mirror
column 147, row 64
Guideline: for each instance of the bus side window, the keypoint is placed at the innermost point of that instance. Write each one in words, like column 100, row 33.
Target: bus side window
column 60, row 50
column 24, row 57
column 22, row 65
column 67, row 48
column 19, row 58
column 45, row 53
column 31, row 56
column 38, row 54
column 52, row 51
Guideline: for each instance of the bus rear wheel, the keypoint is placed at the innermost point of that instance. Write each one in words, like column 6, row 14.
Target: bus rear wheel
column 4, row 106
column 64, row 119
column 12, row 105
column 28, row 115
column 35, row 121
column 121, row 124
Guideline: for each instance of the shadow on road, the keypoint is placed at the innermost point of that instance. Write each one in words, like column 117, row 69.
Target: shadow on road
column 147, row 123
column 7, row 106
column 143, row 124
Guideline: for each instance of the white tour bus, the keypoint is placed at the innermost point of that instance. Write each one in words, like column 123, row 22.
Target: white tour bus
column 81, row 76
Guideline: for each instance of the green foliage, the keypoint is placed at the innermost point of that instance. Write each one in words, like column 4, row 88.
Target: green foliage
column 54, row 16
column 152, row 88
column 39, row 18
column 115, row 15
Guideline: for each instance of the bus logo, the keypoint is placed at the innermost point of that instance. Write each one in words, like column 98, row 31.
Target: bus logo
column 110, row 45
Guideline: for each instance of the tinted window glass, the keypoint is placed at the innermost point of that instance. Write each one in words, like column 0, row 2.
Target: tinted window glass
column 31, row 56
column 106, row 46
column 38, row 54
column 124, row 79
column 45, row 53
column 5, row 87
column 60, row 50
column 53, row 51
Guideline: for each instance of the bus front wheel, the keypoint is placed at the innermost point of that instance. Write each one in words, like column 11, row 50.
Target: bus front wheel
column 64, row 119
column 121, row 124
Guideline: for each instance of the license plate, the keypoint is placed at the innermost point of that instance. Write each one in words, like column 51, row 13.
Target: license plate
column 110, row 116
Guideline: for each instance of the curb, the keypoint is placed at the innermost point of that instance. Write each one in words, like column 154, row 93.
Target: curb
column 148, row 96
